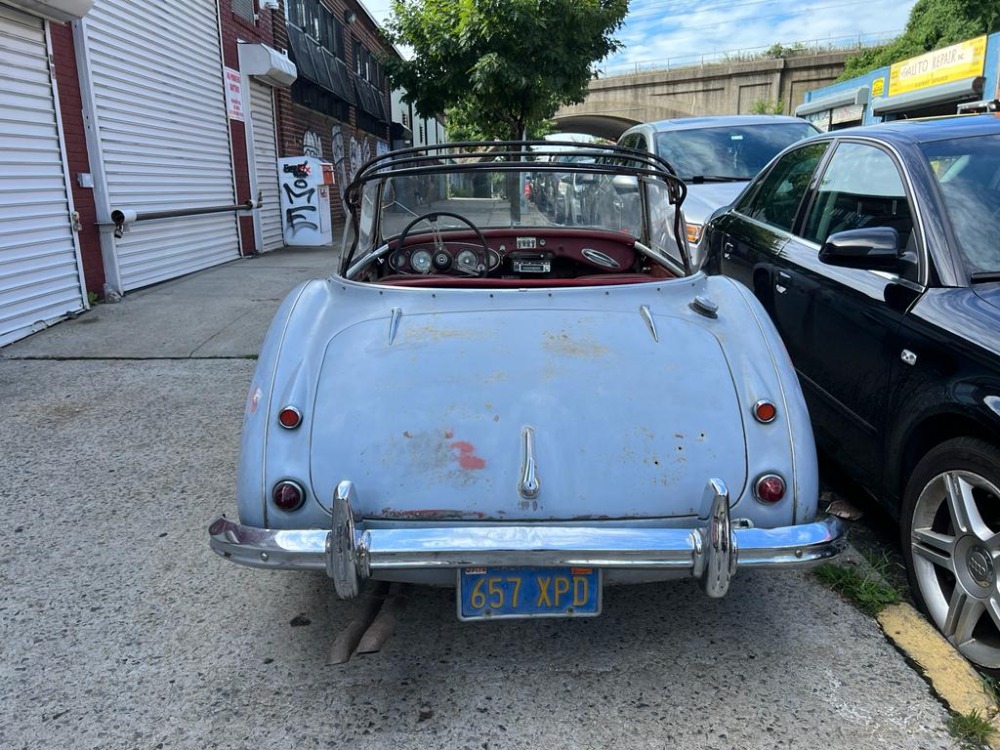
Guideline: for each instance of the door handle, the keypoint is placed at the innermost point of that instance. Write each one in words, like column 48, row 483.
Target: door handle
column 727, row 250
column 784, row 276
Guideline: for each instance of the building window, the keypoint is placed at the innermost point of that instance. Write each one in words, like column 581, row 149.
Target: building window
column 244, row 9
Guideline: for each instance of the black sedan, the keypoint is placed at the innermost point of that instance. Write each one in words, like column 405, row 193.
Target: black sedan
column 876, row 251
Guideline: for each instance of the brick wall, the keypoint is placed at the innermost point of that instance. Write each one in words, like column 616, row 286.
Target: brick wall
column 235, row 29
column 71, row 108
column 295, row 121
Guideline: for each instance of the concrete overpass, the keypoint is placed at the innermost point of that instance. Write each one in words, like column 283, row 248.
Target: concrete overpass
column 616, row 103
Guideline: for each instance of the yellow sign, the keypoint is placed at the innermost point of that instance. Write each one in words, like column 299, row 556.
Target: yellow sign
column 878, row 87
column 963, row 60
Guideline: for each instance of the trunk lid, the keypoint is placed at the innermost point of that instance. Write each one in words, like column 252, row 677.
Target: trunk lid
column 432, row 425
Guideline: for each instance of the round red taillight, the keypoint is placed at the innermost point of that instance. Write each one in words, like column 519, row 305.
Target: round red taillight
column 289, row 417
column 769, row 488
column 288, row 495
column 764, row 411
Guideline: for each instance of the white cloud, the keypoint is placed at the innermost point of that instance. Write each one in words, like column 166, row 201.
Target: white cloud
column 672, row 33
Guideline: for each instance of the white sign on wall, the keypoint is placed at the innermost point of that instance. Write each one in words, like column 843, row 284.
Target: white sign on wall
column 234, row 95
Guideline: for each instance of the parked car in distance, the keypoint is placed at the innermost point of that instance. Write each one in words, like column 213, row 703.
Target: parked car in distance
column 561, row 191
column 528, row 412
column 875, row 252
column 715, row 156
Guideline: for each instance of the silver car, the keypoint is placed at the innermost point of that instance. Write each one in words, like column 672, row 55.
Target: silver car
column 715, row 156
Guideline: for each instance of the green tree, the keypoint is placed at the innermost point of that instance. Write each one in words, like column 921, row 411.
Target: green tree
column 765, row 107
column 932, row 24
column 500, row 67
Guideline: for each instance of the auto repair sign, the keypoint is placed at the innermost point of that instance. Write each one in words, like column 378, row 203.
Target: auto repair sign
column 963, row 60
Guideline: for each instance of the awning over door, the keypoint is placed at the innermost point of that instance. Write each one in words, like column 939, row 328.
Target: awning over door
column 57, row 10
column 267, row 65
column 850, row 97
column 967, row 88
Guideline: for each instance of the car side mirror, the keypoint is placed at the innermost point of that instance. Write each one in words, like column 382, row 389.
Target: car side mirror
column 868, row 248
column 624, row 183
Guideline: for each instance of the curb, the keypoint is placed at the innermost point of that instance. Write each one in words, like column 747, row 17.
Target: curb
column 950, row 675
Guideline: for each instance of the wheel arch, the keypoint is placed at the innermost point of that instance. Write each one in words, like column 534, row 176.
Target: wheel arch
column 925, row 435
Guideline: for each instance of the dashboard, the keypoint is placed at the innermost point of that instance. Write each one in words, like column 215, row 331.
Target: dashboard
column 539, row 254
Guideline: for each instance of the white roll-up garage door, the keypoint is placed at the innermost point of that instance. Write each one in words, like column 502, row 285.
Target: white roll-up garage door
column 265, row 160
column 163, row 129
column 39, row 263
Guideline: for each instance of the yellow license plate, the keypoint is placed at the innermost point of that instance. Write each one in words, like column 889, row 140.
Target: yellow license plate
column 490, row 593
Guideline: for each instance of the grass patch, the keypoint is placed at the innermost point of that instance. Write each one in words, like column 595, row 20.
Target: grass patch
column 866, row 586
column 971, row 730
column 991, row 686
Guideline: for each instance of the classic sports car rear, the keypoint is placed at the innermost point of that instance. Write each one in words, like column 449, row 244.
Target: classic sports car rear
column 484, row 399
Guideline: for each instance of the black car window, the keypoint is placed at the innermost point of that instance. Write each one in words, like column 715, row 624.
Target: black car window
column 861, row 187
column 968, row 173
column 777, row 197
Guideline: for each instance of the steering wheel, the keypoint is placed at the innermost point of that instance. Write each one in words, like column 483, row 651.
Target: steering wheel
column 431, row 218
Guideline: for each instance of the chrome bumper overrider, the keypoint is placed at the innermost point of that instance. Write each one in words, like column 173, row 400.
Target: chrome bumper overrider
column 350, row 553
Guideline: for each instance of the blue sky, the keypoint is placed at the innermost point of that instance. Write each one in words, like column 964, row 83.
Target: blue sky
column 682, row 30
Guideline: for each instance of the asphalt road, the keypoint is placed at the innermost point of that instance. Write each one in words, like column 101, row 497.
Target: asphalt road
column 119, row 628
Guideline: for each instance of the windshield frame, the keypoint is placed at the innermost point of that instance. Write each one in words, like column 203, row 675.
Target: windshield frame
column 500, row 157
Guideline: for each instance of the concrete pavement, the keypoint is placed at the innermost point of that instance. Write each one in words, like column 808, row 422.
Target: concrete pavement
column 219, row 312
column 119, row 628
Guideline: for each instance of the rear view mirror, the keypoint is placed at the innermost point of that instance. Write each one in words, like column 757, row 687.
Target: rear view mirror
column 869, row 248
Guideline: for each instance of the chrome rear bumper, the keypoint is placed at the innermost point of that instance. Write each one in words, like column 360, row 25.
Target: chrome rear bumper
column 350, row 553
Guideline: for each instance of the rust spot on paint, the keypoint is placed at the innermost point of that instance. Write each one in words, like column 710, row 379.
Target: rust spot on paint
column 496, row 417
column 407, row 434
column 466, row 455
column 429, row 515
column 563, row 343
column 448, row 434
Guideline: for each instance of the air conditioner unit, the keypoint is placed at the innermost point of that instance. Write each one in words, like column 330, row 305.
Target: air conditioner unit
column 270, row 5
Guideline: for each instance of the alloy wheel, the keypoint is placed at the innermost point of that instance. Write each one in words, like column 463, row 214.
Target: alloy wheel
column 955, row 547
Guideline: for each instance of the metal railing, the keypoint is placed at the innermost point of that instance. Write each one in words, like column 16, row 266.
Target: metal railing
column 121, row 217
column 744, row 54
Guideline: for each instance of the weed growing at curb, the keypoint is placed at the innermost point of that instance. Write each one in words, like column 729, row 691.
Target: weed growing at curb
column 971, row 730
column 991, row 686
column 866, row 586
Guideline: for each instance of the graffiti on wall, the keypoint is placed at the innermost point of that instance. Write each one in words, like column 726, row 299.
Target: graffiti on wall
column 338, row 162
column 299, row 202
column 311, row 144
column 349, row 154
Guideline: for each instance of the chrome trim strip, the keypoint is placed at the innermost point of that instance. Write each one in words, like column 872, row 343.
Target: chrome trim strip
column 599, row 258
column 647, row 315
column 397, row 313
column 529, row 485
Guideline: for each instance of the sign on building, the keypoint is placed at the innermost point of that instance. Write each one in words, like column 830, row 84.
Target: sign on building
column 954, row 63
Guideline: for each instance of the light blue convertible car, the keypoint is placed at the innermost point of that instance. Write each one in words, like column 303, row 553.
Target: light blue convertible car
column 529, row 412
